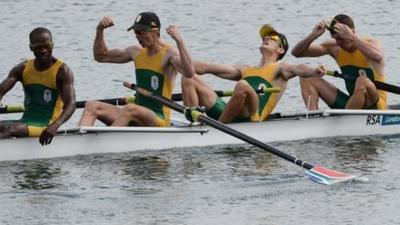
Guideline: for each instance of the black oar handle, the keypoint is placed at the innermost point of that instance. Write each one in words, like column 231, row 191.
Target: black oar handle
column 219, row 126
column 112, row 101
column 378, row 84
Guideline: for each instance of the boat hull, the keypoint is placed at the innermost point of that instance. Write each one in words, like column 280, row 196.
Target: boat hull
column 280, row 127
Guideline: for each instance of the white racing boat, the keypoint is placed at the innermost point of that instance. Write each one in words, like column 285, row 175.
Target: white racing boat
column 280, row 127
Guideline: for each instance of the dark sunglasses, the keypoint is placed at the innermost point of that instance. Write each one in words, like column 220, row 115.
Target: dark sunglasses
column 141, row 32
column 331, row 26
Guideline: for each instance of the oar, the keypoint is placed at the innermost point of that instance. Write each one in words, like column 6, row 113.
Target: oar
column 131, row 99
column 316, row 173
column 79, row 104
column 11, row 108
column 378, row 84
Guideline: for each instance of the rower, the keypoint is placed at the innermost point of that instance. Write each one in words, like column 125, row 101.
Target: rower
column 156, row 66
column 49, row 91
column 245, row 104
column 361, row 58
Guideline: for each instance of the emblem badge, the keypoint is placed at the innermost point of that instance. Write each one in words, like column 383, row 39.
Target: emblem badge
column 47, row 95
column 154, row 82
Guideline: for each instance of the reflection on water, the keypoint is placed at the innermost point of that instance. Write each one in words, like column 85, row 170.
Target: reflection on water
column 222, row 185
column 36, row 175
column 146, row 168
column 356, row 152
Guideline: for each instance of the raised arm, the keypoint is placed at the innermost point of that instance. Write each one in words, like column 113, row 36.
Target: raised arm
column 306, row 47
column 65, row 85
column 372, row 49
column 102, row 53
column 229, row 72
column 288, row 71
column 13, row 77
column 183, row 61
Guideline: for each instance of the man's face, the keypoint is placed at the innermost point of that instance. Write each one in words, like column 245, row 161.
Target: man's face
column 343, row 43
column 271, row 42
column 146, row 37
column 42, row 47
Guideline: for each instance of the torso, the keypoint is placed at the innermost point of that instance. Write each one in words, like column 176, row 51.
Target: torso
column 264, row 77
column 43, row 103
column 354, row 64
column 154, row 73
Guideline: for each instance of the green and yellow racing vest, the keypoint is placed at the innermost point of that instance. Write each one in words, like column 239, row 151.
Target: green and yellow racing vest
column 43, row 103
column 150, row 76
column 355, row 64
column 262, row 78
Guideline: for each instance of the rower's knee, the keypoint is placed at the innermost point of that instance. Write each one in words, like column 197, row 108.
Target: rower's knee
column 130, row 111
column 189, row 83
column 362, row 84
column 242, row 89
column 308, row 82
column 92, row 107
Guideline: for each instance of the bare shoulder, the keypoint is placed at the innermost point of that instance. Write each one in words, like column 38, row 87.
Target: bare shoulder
column 172, row 51
column 133, row 50
column 372, row 41
column 65, row 73
column 18, row 69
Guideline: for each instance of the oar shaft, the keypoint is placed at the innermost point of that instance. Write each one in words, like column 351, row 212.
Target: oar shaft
column 131, row 99
column 219, row 126
column 378, row 84
column 11, row 108
column 178, row 97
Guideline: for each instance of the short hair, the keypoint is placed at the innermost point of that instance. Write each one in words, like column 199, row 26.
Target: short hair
column 38, row 31
column 345, row 19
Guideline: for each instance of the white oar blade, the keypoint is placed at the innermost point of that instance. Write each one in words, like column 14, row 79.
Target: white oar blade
column 326, row 176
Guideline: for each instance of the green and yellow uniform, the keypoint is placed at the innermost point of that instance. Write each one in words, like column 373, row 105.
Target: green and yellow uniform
column 43, row 103
column 150, row 76
column 262, row 78
column 257, row 78
column 354, row 64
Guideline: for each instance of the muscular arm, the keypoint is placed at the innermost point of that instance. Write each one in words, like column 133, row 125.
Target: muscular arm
column 13, row 77
column 372, row 49
column 116, row 55
column 288, row 71
column 306, row 47
column 182, row 61
column 229, row 72
column 102, row 53
column 65, row 85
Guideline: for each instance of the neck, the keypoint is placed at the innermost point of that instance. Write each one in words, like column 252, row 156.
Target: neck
column 155, row 47
column 267, row 58
column 41, row 65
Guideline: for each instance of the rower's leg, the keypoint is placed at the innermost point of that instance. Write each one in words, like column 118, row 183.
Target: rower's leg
column 16, row 129
column 365, row 94
column 136, row 115
column 243, row 103
column 313, row 88
column 104, row 112
column 195, row 92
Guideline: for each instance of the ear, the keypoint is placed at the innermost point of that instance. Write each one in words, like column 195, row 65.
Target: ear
column 281, row 50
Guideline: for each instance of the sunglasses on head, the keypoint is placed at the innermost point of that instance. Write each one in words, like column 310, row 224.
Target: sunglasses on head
column 48, row 45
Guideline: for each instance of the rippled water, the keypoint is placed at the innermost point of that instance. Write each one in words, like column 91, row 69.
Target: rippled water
column 220, row 185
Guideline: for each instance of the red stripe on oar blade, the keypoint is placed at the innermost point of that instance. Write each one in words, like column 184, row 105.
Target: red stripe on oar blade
column 330, row 173
column 326, row 176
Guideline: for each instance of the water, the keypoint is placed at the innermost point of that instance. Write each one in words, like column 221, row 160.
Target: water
column 220, row 185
